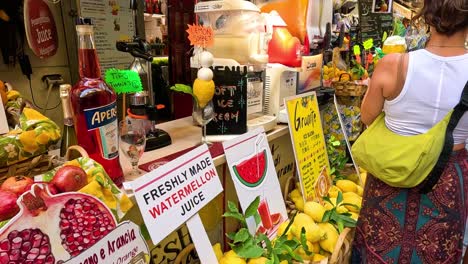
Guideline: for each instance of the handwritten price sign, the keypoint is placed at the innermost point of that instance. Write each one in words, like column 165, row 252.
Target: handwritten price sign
column 200, row 36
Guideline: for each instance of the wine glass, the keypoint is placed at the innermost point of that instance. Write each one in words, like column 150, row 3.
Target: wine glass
column 203, row 115
column 132, row 143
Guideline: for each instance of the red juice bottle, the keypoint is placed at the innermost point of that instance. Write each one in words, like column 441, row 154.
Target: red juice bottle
column 94, row 107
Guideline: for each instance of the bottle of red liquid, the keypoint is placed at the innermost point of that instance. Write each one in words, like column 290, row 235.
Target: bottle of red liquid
column 94, row 107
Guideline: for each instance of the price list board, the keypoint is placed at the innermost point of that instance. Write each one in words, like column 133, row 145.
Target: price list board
column 113, row 22
column 373, row 22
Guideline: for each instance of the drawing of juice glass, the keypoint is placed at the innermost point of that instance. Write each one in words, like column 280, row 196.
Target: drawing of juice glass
column 264, row 212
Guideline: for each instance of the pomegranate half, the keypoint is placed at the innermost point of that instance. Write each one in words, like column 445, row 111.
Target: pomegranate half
column 53, row 228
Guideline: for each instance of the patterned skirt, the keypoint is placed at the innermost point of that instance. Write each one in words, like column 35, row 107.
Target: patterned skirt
column 403, row 226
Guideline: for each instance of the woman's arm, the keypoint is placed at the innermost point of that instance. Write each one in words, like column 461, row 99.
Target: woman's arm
column 382, row 85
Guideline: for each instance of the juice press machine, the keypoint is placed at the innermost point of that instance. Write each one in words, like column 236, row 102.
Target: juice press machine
column 142, row 106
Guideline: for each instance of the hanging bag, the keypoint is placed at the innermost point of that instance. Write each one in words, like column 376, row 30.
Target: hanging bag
column 406, row 161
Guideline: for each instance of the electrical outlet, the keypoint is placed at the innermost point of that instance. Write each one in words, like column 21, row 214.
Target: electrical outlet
column 53, row 80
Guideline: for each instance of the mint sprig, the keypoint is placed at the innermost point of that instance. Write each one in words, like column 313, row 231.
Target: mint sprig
column 339, row 220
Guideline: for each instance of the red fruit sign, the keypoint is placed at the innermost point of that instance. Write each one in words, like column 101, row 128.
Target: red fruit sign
column 252, row 171
column 40, row 26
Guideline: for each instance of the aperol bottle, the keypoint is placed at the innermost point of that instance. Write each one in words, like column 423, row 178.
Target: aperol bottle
column 94, row 107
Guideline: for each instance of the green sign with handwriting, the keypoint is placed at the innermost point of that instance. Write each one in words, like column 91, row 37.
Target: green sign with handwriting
column 123, row 81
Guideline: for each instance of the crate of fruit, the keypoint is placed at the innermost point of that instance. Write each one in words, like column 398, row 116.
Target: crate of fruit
column 336, row 215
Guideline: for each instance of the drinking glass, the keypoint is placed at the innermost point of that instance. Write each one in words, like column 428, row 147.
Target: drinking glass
column 132, row 143
column 203, row 115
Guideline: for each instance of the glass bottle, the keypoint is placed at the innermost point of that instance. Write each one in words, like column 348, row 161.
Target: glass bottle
column 94, row 107
column 68, row 134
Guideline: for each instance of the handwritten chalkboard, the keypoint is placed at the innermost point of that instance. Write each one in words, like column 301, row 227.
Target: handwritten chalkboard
column 230, row 101
column 374, row 24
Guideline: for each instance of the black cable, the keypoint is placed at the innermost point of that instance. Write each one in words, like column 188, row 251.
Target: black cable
column 34, row 101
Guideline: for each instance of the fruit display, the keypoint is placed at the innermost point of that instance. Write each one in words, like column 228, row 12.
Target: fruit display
column 82, row 175
column 50, row 228
column 324, row 222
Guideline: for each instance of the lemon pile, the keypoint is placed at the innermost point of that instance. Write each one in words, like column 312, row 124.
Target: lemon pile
column 323, row 236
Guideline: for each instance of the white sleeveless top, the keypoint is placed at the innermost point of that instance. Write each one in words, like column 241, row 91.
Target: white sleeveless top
column 432, row 88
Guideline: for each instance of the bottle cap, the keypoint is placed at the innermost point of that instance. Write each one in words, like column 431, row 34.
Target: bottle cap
column 84, row 21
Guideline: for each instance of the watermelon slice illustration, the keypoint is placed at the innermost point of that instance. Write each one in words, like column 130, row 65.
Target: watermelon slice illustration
column 252, row 171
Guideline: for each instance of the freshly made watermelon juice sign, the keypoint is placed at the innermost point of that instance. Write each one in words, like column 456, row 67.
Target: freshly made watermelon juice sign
column 252, row 169
column 309, row 147
column 174, row 192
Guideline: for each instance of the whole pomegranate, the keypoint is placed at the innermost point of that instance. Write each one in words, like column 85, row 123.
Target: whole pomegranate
column 69, row 178
column 8, row 205
column 17, row 184
column 53, row 228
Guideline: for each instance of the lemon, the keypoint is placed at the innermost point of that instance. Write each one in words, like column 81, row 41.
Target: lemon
column 352, row 198
column 300, row 251
column 282, row 228
column 217, row 250
column 333, row 191
column 260, row 260
column 314, row 210
column 295, row 194
column 329, row 206
column 341, row 209
column 328, row 244
column 299, row 202
column 231, row 258
column 318, row 257
column 312, row 230
column 204, row 91
column 360, row 191
column 315, row 247
column 346, row 185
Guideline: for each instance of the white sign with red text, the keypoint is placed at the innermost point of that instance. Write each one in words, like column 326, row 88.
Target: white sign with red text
column 124, row 245
column 174, row 192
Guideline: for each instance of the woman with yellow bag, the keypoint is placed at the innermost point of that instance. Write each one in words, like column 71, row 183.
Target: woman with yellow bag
column 416, row 201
